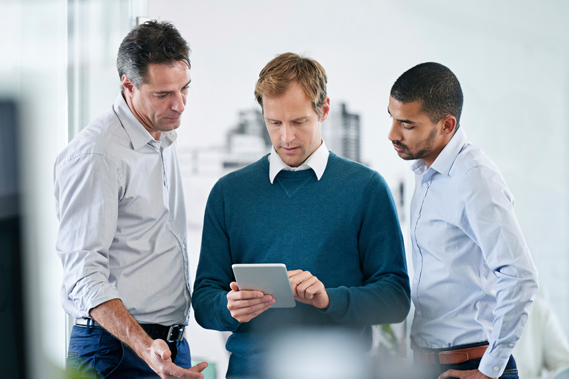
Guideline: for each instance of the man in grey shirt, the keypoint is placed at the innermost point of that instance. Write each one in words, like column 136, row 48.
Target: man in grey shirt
column 122, row 235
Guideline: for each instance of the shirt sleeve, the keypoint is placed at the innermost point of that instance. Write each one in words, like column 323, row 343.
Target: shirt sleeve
column 489, row 216
column 214, row 272
column 87, row 196
column 385, row 296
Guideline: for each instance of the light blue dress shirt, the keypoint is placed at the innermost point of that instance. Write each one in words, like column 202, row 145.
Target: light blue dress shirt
column 122, row 232
column 474, row 278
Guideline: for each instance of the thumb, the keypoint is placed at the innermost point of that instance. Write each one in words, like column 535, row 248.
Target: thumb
column 199, row 367
column 163, row 351
column 234, row 286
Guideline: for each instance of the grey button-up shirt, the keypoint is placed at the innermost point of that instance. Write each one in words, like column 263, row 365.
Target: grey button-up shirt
column 122, row 232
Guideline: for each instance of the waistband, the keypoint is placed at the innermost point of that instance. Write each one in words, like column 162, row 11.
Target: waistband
column 451, row 355
column 170, row 334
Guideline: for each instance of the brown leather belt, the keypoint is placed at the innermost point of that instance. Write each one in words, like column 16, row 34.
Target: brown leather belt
column 450, row 357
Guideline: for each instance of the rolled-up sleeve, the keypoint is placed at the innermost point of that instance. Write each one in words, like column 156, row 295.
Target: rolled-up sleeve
column 87, row 191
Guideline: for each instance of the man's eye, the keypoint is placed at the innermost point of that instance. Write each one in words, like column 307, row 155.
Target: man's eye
column 161, row 96
column 408, row 127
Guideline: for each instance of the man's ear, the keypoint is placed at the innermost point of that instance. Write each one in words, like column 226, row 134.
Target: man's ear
column 128, row 85
column 325, row 109
column 449, row 125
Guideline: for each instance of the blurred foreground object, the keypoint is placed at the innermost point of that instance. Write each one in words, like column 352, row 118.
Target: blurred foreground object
column 543, row 344
column 314, row 354
column 11, row 311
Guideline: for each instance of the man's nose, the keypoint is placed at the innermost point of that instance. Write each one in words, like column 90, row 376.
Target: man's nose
column 394, row 134
column 287, row 135
column 179, row 102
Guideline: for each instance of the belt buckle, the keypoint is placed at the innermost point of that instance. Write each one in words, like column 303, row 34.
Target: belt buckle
column 179, row 329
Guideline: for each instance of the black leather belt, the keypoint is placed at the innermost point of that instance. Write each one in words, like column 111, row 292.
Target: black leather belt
column 170, row 334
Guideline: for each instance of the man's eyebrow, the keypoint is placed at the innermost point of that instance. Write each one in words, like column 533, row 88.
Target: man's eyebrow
column 401, row 120
column 166, row 92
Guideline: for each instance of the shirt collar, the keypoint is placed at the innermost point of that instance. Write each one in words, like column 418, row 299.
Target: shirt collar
column 444, row 161
column 317, row 162
column 137, row 133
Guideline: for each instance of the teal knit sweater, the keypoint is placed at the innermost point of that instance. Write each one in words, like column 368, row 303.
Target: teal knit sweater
column 342, row 228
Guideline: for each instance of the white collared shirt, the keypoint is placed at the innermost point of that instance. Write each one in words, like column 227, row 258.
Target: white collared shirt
column 317, row 162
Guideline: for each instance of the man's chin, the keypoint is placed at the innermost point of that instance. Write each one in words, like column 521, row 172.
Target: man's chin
column 406, row 156
column 169, row 126
column 291, row 161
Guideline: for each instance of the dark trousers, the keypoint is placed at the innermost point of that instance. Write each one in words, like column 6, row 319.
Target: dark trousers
column 95, row 353
column 432, row 371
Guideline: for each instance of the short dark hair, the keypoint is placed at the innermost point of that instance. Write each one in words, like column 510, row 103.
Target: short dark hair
column 435, row 86
column 151, row 42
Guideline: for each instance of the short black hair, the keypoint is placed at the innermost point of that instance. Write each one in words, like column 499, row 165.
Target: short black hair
column 435, row 86
column 151, row 42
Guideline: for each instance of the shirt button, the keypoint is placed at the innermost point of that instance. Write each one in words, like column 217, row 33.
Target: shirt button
column 417, row 215
column 418, row 313
column 425, row 185
column 511, row 345
column 496, row 369
column 415, row 281
column 416, row 248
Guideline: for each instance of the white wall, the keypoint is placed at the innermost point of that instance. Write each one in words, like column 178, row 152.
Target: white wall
column 512, row 58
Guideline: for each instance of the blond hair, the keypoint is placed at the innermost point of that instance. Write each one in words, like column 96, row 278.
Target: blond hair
column 276, row 77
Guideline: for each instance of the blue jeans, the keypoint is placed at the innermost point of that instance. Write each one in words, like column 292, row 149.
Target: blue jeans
column 511, row 371
column 95, row 353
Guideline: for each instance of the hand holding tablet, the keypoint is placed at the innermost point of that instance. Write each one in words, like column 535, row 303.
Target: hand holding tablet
column 269, row 278
column 261, row 282
column 246, row 305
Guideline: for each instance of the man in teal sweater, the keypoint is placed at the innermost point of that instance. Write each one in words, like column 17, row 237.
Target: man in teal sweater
column 331, row 221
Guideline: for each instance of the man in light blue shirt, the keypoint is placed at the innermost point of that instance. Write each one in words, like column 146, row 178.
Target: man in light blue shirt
column 122, row 234
column 474, row 279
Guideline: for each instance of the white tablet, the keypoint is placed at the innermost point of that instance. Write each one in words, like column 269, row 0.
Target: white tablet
column 271, row 278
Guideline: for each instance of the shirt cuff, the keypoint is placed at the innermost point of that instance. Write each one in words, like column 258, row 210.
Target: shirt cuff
column 224, row 317
column 86, row 296
column 491, row 366
column 338, row 303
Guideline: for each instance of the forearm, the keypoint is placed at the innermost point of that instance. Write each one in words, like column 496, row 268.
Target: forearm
column 384, row 296
column 514, row 301
column 384, row 302
column 116, row 319
column 210, row 309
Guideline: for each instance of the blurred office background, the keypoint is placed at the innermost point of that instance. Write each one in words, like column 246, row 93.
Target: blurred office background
column 57, row 72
